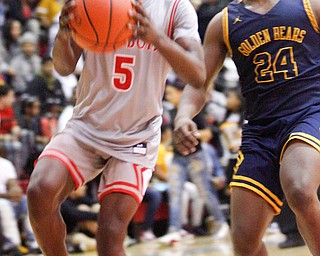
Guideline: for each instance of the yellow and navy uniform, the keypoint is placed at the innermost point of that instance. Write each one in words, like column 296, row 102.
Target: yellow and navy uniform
column 277, row 55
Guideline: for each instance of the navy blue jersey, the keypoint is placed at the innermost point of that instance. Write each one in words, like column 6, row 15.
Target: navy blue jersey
column 277, row 55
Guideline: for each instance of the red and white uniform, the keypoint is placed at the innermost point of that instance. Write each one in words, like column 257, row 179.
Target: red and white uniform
column 119, row 101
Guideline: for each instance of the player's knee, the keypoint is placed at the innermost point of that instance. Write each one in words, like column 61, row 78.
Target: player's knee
column 299, row 196
column 41, row 192
column 245, row 242
column 112, row 228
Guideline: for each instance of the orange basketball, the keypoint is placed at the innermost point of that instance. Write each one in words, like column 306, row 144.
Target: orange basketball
column 101, row 25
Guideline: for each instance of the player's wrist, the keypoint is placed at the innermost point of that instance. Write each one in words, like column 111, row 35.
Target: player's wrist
column 62, row 36
column 159, row 39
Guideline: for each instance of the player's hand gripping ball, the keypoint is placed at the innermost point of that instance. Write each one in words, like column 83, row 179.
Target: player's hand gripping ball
column 101, row 25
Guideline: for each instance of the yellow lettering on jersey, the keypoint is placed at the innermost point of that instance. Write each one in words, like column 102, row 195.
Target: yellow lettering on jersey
column 289, row 34
column 264, row 36
column 256, row 40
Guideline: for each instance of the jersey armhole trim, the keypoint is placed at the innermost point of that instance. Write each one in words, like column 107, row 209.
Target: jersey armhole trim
column 311, row 16
column 225, row 30
column 171, row 21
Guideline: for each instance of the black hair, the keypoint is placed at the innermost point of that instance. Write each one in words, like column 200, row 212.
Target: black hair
column 176, row 83
column 46, row 59
column 4, row 90
column 27, row 101
column 6, row 33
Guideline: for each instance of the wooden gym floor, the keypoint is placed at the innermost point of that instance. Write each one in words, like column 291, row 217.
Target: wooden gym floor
column 207, row 247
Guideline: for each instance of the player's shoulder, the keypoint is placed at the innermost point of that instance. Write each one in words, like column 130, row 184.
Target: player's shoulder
column 180, row 3
column 216, row 23
column 315, row 6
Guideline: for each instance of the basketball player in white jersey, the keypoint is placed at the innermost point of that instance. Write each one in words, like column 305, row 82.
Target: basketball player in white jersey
column 115, row 128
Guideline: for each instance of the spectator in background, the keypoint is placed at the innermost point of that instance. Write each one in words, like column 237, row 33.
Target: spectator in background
column 49, row 120
column 26, row 64
column 7, row 248
column 9, row 232
column 231, row 129
column 153, row 199
column 12, row 32
column 48, row 12
column 31, row 137
column 22, row 10
column 13, row 196
column 193, row 167
column 19, row 10
column 9, row 129
column 46, row 87
column 9, row 46
column 3, row 8
column 80, row 215
column 206, row 11
column 190, row 195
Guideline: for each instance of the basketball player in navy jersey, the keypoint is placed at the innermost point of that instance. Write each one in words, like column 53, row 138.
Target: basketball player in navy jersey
column 275, row 45
column 115, row 127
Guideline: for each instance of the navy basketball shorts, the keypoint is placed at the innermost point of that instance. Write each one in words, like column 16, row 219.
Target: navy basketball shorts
column 263, row 145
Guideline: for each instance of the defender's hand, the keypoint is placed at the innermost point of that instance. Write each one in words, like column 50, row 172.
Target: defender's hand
column 185, row 135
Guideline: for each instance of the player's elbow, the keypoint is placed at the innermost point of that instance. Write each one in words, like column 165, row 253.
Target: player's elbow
column 199, row 78
column 63, row 69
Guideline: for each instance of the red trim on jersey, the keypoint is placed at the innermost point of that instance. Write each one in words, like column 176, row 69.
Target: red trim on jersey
column 120, row 190
column 122, row 183
column 142, row 181
column 67, row 162
column 144, row 169
column 173, row 14
column 138, row 176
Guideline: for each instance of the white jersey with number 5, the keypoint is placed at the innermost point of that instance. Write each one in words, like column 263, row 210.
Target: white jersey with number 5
column 119, row 94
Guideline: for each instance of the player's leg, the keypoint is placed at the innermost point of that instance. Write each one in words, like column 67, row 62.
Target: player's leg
column 250, row 217
column 64, row 165
column 116, row 212
column 300, row 179
column 49, row 186
column 121, row 190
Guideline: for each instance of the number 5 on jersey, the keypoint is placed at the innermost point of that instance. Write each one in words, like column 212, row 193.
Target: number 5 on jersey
column 123, row 73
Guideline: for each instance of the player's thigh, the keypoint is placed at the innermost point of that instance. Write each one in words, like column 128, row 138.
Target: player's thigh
column 124, row 177
column 51, row 179
column 256, row 194
column 121, row 190
column 300, row 162
column 117, row 210
column 65, row 164
column 300, row 168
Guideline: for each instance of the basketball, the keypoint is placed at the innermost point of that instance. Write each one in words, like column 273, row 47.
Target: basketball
column 101, row 25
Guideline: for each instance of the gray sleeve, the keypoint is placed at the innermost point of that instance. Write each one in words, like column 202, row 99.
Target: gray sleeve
column 186, row 21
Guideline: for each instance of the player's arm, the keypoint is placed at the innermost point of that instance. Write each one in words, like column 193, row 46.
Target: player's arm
column 315, row 4
column 66, row 52
column 185, row 55
column 193, row 99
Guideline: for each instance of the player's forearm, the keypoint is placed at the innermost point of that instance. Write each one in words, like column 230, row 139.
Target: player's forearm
column 187, row 63
column 191, row 102
column 65, row 55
